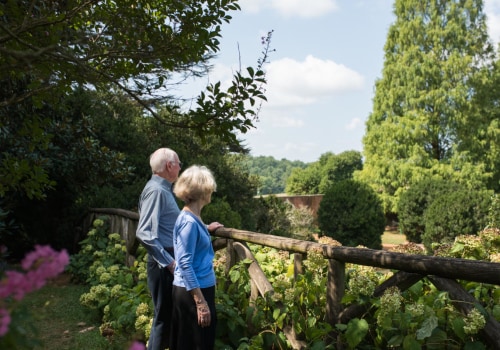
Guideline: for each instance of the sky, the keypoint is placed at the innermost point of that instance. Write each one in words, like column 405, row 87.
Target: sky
column 321, row 75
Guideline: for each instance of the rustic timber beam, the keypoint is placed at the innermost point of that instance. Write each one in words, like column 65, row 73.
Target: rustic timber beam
column 257, row 275
column 114, row 211
column 470, row 270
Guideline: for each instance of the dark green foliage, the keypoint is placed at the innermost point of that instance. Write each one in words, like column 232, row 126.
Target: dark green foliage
column 494, row 212
column 351, row 213
column 455, row 213
column 102, row 160
column 79, row 165
column 78, row 138
column 23, row 142
column 220, row 210
column 414, row 202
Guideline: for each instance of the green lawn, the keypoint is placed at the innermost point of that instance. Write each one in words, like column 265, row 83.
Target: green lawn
column 393, row 237
column 63, row 323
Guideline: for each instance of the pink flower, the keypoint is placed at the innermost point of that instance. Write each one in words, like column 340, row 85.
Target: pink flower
column 40, row 265
column 46, row 259
column 14, row 284
column 4, row 322
column 137, row 346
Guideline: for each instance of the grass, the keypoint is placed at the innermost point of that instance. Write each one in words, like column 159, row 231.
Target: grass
column 393, row 237
column 63, row 323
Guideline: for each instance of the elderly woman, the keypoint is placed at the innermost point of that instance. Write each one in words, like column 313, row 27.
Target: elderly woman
column 194, row 318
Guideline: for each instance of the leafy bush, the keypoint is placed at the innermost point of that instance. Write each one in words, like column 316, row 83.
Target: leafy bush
column 271, row 216
column 302, row 222
column 220, row 210
column 118, row 291
column 494, row 212
column 419, row 317
column 455, row 213
column 414, row 202
column 351, row 213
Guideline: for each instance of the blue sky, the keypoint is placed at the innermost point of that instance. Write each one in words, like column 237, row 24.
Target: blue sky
column 321, row 76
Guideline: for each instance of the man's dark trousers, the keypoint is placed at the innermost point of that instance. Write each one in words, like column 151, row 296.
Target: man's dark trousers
column 160, row 286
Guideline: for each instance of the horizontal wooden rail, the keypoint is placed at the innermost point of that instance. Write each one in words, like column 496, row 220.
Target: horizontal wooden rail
column 410, row 268
column 463, row 269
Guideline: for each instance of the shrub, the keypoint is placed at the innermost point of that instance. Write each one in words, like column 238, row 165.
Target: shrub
column 220, row 210
column 414, row 202
column 494, row 212
column 453, row 214
column 117, row 291
column 351, row 213
column 302, row 223
column 271, row 216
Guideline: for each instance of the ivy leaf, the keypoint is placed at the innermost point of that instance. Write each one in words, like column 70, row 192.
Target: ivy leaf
column 410, row 343
column 356, row 331
column 234, row 275
column 496, row 312
column 427, row 327
column 396, row 340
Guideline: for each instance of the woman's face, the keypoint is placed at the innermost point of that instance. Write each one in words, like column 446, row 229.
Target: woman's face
column 207, row 198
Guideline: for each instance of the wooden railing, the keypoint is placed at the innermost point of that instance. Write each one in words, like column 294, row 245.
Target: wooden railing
column 442, row 272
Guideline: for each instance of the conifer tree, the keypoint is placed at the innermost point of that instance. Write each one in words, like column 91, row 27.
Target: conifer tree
column 426, row 120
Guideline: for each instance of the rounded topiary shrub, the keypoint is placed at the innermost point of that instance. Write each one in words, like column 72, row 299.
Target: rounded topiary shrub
column 220, row 210
column 455, row 213
column 414, row 202
column 351, row 213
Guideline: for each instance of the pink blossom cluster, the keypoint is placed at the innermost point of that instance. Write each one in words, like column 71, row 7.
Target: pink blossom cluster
column 137, row 346
column 39, row 265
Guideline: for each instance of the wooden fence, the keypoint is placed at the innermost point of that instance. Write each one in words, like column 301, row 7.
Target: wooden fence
column 442, row 272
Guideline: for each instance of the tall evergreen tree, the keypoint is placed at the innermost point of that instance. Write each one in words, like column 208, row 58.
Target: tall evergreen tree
column 425, row 120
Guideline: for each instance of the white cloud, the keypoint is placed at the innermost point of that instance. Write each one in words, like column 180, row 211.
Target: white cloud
column 354, row 123
column 287, row 122
column 291, row 8
column 492, row 10
column 291, row 82
column 298, row 147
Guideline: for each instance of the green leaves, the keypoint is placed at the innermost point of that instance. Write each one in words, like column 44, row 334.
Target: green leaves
column 425, row 121
column 427, row 327
column 356, row 331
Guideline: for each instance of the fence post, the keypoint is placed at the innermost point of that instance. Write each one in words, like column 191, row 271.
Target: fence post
column 230, row 255
column 298, row 268
column 335, row 289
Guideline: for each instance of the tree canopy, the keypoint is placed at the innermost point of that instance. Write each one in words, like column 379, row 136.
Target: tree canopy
column 427, row 120
column 141, row 48
column 317, row 177
column 272, row 173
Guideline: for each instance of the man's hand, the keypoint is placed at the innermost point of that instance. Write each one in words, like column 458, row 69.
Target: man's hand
column 171, row 267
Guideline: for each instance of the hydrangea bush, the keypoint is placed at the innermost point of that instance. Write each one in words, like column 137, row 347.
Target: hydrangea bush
column 419, row 317
column 118, row 291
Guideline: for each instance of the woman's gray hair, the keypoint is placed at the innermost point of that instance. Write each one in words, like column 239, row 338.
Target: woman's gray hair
column 195, row 183
column 159, row 159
